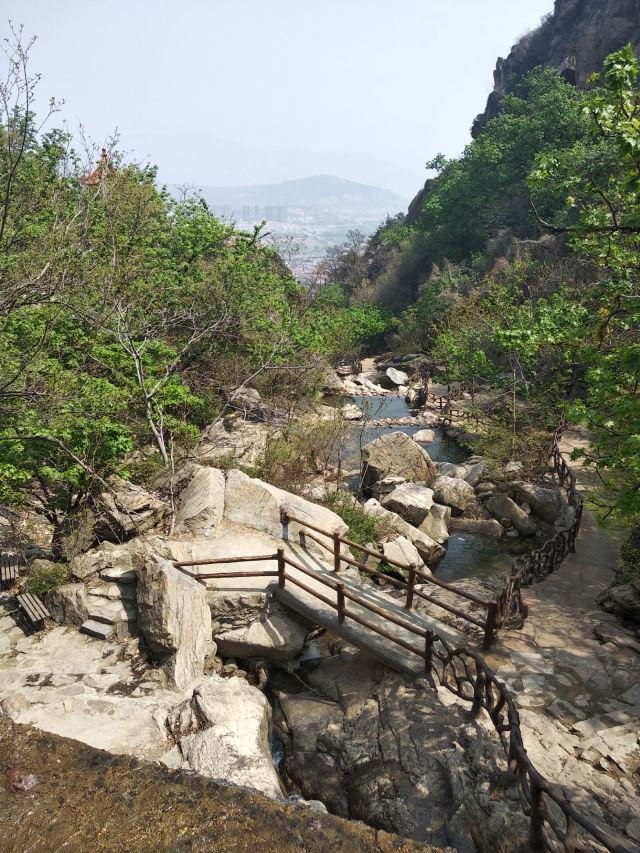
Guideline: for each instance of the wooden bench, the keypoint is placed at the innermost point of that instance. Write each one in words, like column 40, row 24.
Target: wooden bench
column 33, row 609
column 9, row 568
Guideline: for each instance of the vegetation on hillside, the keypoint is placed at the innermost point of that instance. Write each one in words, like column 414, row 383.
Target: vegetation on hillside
column 517, row 271
column 127, row 317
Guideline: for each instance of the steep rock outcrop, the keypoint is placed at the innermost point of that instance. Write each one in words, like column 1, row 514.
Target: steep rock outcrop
column 574, row 39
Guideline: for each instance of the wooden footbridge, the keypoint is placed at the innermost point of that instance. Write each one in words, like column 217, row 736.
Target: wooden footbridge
column 421, row 645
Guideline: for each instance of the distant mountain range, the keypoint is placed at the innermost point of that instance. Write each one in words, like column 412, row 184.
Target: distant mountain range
column 325, row 192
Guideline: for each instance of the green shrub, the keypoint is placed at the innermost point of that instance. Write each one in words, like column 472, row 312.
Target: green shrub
column 362, row 527
column 46, row 576
column 304, row 449
column 630, row 550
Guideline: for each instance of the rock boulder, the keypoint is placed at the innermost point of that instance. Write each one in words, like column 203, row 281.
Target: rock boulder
column 547, row 504
column 395, row 455
column 275, row 636
column 175, row 619
column 201, row 505
column 501, row 506
column 68, row 604
column 453, row 492
column 126, row 511
column 429, row 550
column 259, row 505
column 235, row 744
column 436, row 524
column 425, row 435
column 398, row 377
column 411, row 501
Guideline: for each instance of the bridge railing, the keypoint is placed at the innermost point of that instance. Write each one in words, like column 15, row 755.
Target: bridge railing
column 339, row 603
column 554, row 823
column 411, row 587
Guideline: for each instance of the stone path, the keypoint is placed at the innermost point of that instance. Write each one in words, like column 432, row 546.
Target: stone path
column 98, row 692
column 579, row 697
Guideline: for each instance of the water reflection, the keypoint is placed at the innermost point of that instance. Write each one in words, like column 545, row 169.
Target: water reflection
column 472, row 555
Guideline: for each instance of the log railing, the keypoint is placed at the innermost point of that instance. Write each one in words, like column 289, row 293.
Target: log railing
column 448, row 413
column 554, row 823
column 539, row 564
column 333, row 542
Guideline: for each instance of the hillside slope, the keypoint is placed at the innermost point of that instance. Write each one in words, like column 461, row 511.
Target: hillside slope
column 317, row 190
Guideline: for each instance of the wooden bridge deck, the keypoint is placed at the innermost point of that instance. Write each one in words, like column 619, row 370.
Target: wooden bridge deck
column 308, row 605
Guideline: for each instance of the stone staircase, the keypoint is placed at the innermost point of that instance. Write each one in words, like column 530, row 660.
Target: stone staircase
column 112, row 610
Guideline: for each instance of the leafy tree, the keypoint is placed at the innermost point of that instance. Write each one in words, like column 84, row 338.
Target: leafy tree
column 600, row 187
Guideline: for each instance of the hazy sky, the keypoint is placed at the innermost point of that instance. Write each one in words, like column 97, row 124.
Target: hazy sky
column 254, row 91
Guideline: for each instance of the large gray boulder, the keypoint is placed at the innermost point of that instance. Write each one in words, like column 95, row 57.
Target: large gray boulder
column 484, row 526
column 235, row 744
column 501, row 506
column 396, row 757
column 623, row 599
column 68, row 604
column 201, row 506
column 398, row 377
column 410, row 500
column 477, row 472
column 175, row 619
column 436, row 524
column 109, row 560
column 248, row 402
column 450, row 469
column 395, row 455
column 276, row 636
column 259, row 505
column 401, row 550
column 351, row 412
column 547, row 504
column 429, row 550
column 453, row 492
column 234, row 438
column 126, row 511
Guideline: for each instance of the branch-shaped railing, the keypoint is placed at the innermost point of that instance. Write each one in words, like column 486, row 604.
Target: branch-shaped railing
column 554, row 823
column 535, row 566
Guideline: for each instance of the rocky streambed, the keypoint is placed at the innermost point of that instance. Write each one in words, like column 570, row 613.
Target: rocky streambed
column 220, row 681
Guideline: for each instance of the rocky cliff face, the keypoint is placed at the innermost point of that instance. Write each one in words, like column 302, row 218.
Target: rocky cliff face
column 575, row 39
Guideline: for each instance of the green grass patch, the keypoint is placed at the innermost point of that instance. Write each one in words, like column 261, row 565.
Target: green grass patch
column 43, row 578
column 362, row 527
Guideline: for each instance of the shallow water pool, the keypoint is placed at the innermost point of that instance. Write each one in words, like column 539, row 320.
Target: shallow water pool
column 468, row 554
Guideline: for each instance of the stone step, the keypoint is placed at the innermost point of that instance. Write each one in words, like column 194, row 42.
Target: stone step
column 104, row 610
column 113, row 591
column 98, row 617
column 99, row 630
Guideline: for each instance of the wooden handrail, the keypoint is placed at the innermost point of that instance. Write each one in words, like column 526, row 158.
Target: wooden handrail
column 488, row 626
column 213, row 560
column 539, row 564
column 467, row 675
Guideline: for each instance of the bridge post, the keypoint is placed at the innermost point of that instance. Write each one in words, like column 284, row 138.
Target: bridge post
column 536, row 825
column 340, row 591
column 336, row 551
column 428, row 652
column 282, row 565
column 412, row 582
column 490, row 625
